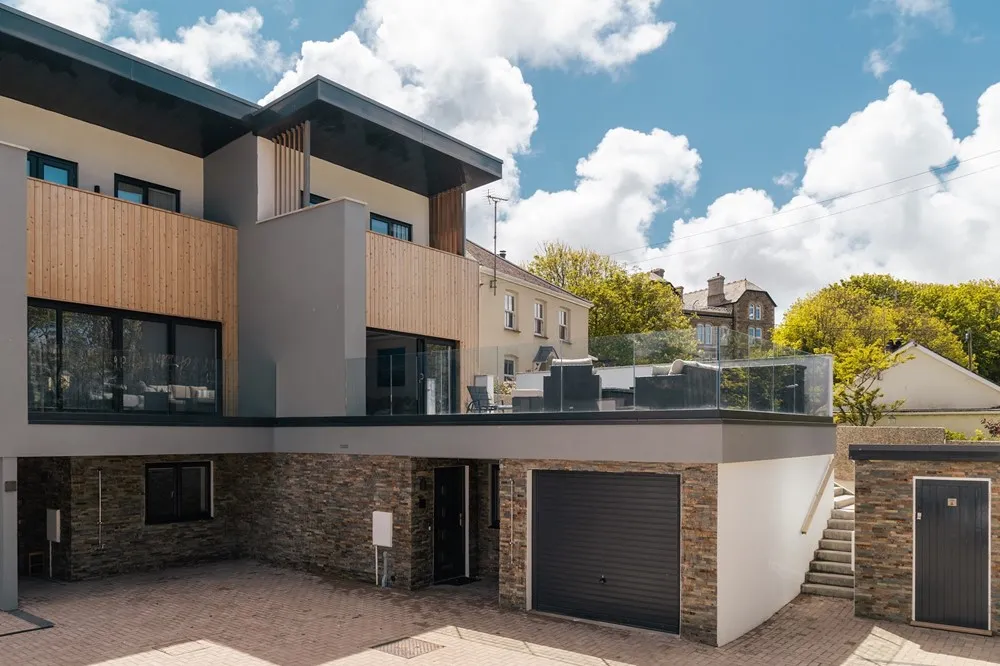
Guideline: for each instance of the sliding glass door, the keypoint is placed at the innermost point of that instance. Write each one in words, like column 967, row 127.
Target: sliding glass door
column 438, row 373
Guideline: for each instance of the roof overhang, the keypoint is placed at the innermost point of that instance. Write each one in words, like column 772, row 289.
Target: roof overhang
column 362, row 135
column 52, row 68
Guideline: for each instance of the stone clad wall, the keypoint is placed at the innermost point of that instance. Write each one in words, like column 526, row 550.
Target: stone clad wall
column 317, row 515
column 488, row 548
column 111, row 536
column 843, row 466
column 699, row 543
column 884, row 532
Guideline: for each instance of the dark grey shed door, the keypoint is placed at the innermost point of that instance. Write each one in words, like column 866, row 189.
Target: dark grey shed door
column 952, row 577
column 607, row 547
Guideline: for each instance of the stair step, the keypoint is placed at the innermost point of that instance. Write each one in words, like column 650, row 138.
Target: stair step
column 833, row 555
column 838, row 535
column 839, row 580
column 835, row 544
column 840, row 524
column 842, row 501
column 838, row 491
column 847, row 513
column 823, row 566
column 828, row 590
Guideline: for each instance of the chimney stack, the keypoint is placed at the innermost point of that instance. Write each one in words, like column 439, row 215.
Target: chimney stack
column 716, row 292
column 658, row 272
column 503, row 254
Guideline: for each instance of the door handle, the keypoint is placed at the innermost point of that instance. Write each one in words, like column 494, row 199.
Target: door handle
column 603, row 580
column 460, row 520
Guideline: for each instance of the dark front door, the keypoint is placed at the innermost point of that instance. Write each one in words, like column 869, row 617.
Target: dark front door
column 951, row 582
column 449, row 523
column 607, row 547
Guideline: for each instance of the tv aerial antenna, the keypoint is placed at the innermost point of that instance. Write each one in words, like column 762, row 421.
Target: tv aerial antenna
column 495, row 200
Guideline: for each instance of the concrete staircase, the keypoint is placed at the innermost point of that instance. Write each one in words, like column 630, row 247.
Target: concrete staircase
column 831, row 573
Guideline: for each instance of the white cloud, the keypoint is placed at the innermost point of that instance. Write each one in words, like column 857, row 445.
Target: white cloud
column 90, row 18
column 878, row 63
column 227, row 40
column 906, row 16
column 620, row 188
column 946, row 231
column 786, row 179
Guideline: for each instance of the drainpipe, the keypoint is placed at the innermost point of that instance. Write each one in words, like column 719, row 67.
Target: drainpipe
column 100, row 509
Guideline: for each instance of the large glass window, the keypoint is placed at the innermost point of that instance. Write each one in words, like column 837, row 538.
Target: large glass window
column 390, row 227
column 141, row 192
column 178, row 491
column 52, row 169
column 43, row 354
column 87, row 373
column 93, row 359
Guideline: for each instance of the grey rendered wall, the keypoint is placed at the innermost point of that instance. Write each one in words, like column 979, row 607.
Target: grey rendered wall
column 108, row 440
column 695, row 442
column 13, row 298
column 231, row 183
column 302, row 307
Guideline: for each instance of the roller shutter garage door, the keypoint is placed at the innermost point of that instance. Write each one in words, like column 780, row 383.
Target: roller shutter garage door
column 606, row 546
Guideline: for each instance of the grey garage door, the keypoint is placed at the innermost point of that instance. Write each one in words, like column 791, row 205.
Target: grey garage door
column 607, row 547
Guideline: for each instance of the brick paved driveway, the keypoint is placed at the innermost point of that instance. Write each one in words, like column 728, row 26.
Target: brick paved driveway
column 244, row 614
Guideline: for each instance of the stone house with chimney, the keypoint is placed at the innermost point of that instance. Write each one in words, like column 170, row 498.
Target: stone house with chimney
column 724, row 306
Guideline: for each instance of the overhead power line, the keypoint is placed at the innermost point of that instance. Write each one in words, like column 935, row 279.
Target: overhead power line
column 822, row 202
column 812, row 219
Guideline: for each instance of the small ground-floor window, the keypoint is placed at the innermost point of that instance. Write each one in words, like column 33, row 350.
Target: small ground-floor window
column 178, row 491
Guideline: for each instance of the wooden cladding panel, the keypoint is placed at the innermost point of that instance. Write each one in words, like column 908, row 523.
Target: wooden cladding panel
column 447, row 221
column 422, row 291
column 289, row 170
column 98, row 250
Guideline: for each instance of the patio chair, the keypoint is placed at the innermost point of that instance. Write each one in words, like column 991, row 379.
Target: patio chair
column 480, row 400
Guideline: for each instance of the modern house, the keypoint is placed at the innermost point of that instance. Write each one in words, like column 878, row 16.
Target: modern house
column 726, row 306
column 241, row 331
column 524, row 320
column 937, row 392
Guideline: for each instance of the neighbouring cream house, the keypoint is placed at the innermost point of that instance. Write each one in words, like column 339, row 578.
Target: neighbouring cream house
column 524, row 321
column 938, row 393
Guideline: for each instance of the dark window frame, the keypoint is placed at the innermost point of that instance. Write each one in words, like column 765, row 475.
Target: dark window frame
column 178, row 517
column 117, row 317
column 495, row 495
column 145, row 185
column 36, row 162
column 391, row 223
column 315, row 198
column 391, row 381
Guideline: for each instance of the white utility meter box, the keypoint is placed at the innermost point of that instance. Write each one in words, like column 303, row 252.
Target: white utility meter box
column 52, row 525
column 382, row 529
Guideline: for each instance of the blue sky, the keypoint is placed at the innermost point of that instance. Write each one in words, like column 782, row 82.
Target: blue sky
column 751, row 86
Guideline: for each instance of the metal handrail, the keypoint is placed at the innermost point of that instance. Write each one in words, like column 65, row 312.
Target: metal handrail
column 807, row 523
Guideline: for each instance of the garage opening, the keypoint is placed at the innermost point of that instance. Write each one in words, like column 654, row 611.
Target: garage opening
column 606, row 546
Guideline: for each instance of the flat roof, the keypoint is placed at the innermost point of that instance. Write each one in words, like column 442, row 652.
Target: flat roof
column 47, row 66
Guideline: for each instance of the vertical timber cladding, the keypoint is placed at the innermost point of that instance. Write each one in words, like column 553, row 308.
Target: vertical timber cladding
column 606, row 546
column 447, row 221
column 289, row 170
column 95, row 249
column 424, row 291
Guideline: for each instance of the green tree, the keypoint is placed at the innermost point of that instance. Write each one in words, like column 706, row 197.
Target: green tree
column 966, row 308
column 634, row 318
column 857, row 400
